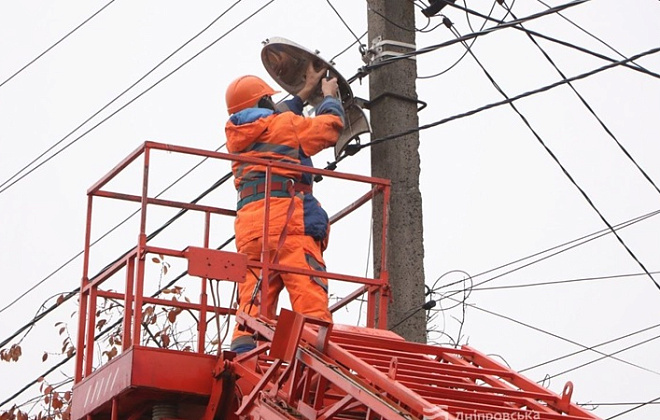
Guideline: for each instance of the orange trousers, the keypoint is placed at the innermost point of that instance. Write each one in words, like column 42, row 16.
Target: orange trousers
column 308, row 294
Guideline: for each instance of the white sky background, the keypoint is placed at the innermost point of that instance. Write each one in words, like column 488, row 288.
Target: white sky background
column 491, row 193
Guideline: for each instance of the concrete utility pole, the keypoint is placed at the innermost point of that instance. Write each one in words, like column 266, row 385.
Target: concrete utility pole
column 394, row 109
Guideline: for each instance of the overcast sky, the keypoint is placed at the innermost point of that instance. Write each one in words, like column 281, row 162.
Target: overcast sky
column 492, row 194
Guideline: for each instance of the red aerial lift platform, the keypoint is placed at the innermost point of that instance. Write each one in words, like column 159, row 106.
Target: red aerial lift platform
column 302, row 368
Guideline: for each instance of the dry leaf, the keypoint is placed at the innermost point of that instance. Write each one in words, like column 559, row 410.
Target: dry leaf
column 101, row 323
column 171, row 316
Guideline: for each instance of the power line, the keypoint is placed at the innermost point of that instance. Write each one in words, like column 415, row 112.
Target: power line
column 75, row 291
column 559, row 249
column 16, row 300
column 345, row 24
column 590, row 34
column 106, row 330
column 16, row 178
column 56, row 43
column 390, row 21
column 648, row 340
column 467, row 16
column 153, row 234
column 617, row 403
column 633, row 66
column 551, row 283
column 546, row 88
column 589, row 108
column 483, row 25
column 558, row 162
column 493, row 105
column 585, row 348
column 504, row 25
column 653, row 401
column 557, row 336
column 350, row 45
column 566, row 246
column 43, row 375
column 87, row 120
column 40, row 282
column 556, row 359
column 111, row 230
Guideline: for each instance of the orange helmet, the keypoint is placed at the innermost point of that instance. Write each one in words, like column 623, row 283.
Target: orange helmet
column 245, row 92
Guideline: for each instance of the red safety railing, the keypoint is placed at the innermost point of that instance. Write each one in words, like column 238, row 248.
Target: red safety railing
column 233, row 266
column 302, row 367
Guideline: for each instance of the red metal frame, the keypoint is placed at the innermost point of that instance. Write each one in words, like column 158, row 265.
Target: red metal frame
column 361, row 370
column 301, row 367
column 133, row 263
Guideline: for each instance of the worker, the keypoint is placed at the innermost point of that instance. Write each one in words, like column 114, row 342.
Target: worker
column 298, row 226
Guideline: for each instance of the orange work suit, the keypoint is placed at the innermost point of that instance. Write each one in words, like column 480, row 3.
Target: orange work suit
column 286, row 137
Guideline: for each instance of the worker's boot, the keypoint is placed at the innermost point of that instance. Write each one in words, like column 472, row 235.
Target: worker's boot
column 243, row 344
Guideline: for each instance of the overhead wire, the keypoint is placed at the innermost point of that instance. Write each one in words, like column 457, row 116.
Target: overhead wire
column 543, row 255
column 584, row 349
column 619, row 403
column 556, row 359
column 96, row 337
column 75, row 291
column 483, row 25
column 589, row 108
column 17, row 299
column 100, row 238
column 648, row 340
column 390, row 21
column 590, row 34
column 558, row 249
column 29, row 63
column 36, row 380
column 499, row 103
column 558, row 162
column 349, row 46
column 559, row 337
column 504, row 25
column 547, row 376
column 357, row 39
column 552, row 283
column 72, row 293
column 101, row 333
column 421, row 4
column 644, row 404
column 499, row 89
column 633, row 66
column 150, row 236
column 17, row 177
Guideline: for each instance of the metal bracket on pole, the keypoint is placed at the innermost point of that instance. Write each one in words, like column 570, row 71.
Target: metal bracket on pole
column 379, row 50
column 369, row 104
